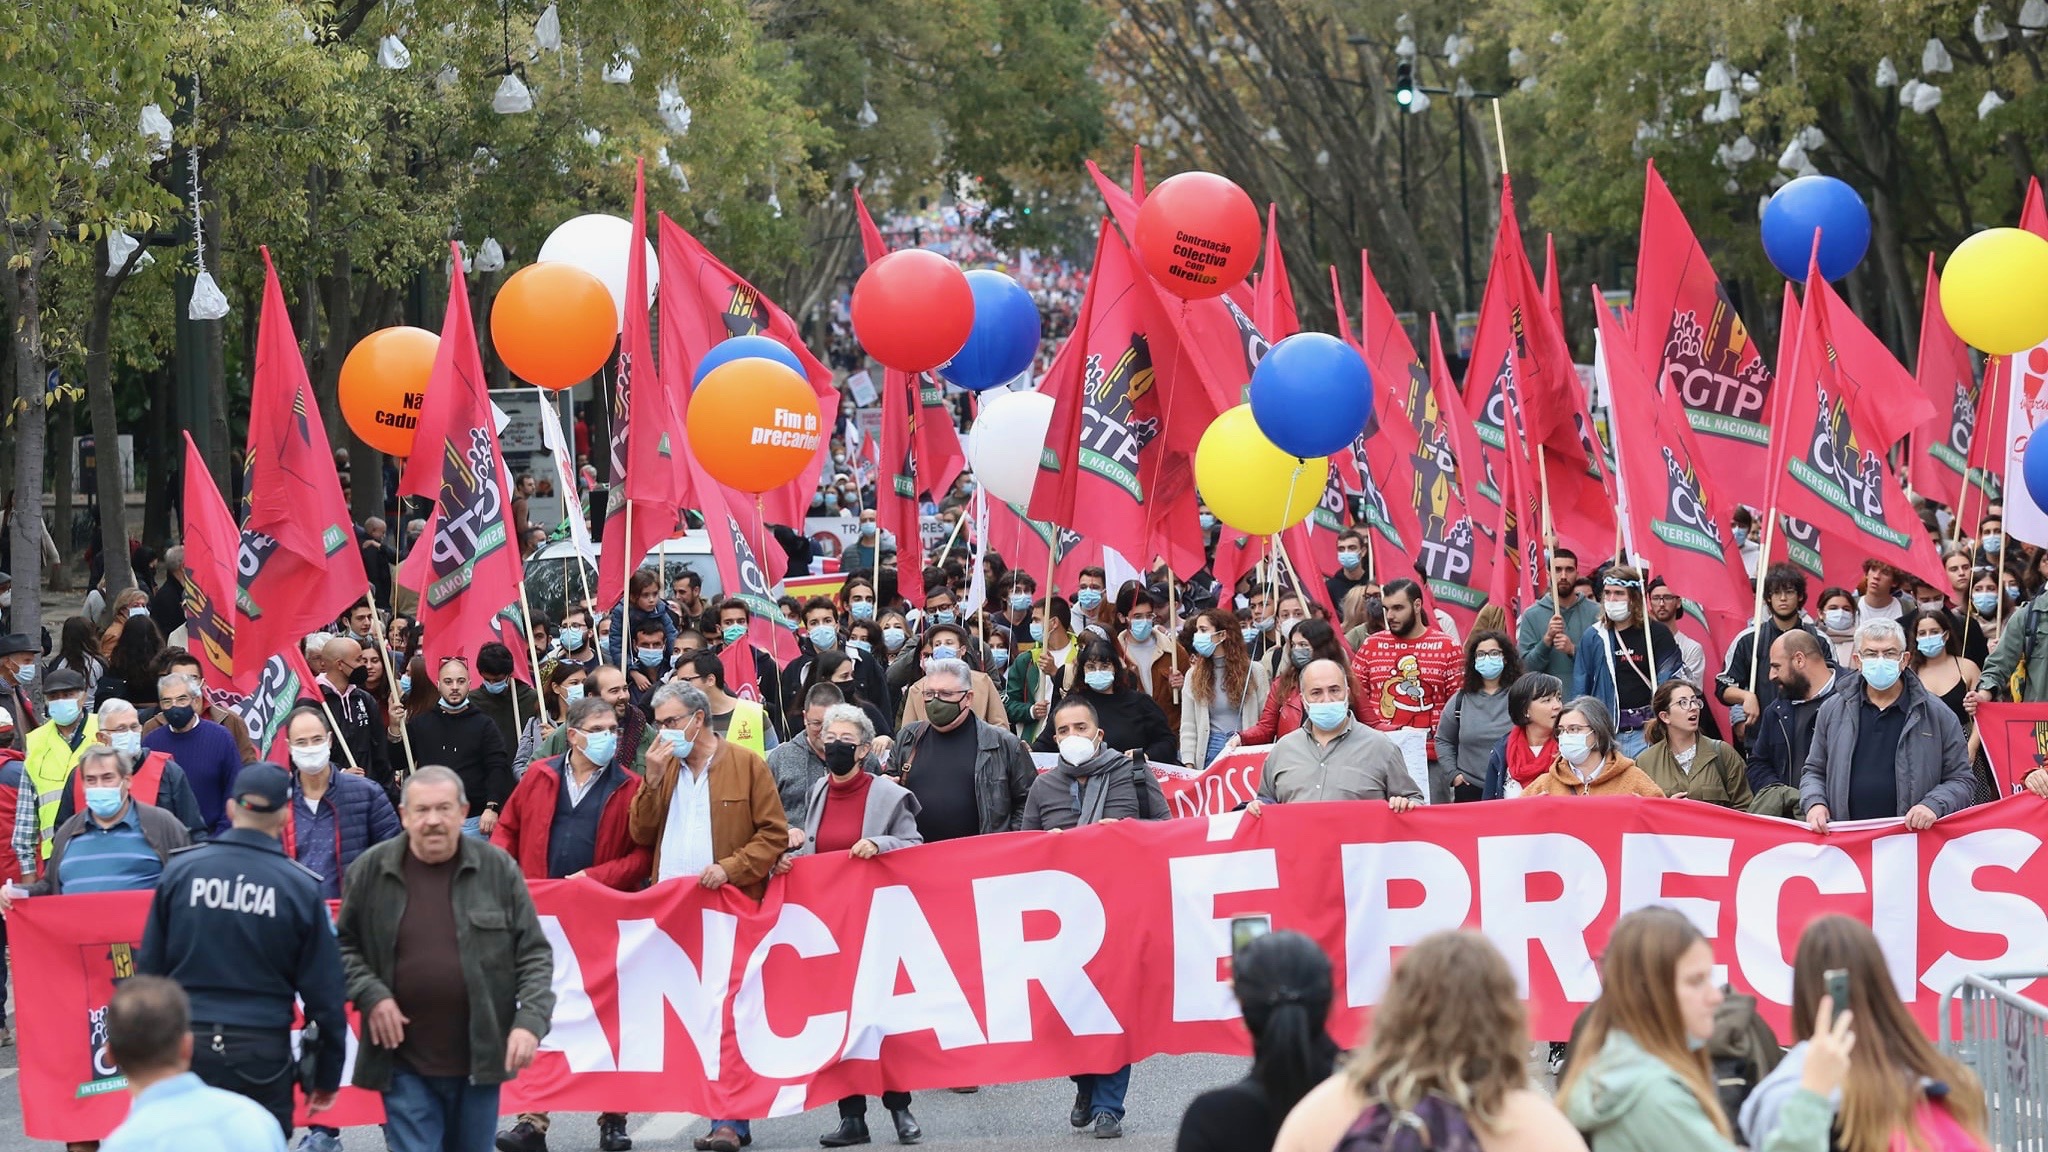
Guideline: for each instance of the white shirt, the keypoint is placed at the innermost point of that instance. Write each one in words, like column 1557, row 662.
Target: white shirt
column 578, row 791
column 686, row 838
column 1866, row 611
column 1142, row 656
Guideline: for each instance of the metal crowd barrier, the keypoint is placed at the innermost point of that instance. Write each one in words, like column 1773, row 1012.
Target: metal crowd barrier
column 2003, row 1037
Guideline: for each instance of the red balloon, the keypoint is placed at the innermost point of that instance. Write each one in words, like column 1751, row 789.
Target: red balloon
column 1198, row 235
column 913, row 310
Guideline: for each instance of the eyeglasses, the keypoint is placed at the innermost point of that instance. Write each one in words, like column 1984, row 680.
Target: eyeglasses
column 1886, row 654
column 595, row 731
column 1684, row 704
column 672, row 723
column 953, row 696
column 1575, row 730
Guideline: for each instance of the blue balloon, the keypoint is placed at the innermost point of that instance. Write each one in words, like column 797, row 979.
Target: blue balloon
column 2034, row 467
column 1805, row 204
column 745, row 348
column 1311, row 395
column 1004, row 340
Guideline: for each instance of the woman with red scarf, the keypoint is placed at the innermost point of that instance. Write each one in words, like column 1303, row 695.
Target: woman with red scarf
column 1530, row 747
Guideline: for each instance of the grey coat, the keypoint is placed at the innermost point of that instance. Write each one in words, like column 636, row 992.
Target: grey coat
column 1932, row 764
column 161, row 830
column 1003, row 772
column 1066, row 796
column 890, row 818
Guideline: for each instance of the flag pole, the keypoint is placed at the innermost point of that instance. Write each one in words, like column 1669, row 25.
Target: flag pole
column 532, row 664
column 333, row 725
column 1546, row 528
column 390, row 674
column 947, row 547
column 625, row 636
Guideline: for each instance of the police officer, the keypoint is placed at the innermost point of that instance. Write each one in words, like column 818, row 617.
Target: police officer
column 242, row 927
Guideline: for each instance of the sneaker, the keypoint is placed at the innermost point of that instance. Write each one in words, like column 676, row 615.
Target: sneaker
column 1557, row 1057
column 316, row 1140
column 523, row 1137
column 1107, row 1126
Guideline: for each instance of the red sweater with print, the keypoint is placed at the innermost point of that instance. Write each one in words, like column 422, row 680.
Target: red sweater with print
column 1406, row 682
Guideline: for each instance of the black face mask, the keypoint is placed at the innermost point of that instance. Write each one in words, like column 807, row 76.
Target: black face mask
column 840, row 758
column 360, row 677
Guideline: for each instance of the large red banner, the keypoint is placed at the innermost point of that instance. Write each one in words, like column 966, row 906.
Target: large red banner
column 1022, row 956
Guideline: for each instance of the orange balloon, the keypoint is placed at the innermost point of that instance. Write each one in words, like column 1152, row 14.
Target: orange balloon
column 754, row 425
column 383, row 382
column 553, row 324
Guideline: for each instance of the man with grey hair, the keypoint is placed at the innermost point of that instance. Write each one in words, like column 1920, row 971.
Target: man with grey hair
column 204, row 749
column 447, row 962
column 118, row 844
column 734, row 841
column 167, row 603
column 153, row 777
column 969, row 777
column 1883, row 746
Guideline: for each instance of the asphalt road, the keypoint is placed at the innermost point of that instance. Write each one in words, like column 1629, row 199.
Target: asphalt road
column 1004, row 1116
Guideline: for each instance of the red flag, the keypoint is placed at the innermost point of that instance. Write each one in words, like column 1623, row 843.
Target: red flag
column 1138, row 173
column 646, row 432
column 1518, row 348
column 1676, row 522
column 212, row 545
column 298, row 567
column 1835, row 476
column 1273, row 297
column 748, row 568
column 711, row 304
column 1553, row 293
column 2021, row 386
column 471, row 566
column 1942, row 447
column 1689, row 338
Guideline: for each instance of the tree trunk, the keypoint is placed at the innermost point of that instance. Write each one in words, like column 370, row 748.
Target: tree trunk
column 106, row 430
column 162, row 492
column 22, row 287
column 63, row 505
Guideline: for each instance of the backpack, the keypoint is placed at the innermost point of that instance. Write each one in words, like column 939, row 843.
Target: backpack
column 1743, row 1051
column 1436, row 1125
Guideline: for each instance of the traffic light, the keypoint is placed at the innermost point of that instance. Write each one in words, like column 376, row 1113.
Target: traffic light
column 1404, row 83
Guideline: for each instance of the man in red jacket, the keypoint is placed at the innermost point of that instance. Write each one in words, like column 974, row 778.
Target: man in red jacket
column 567, row 818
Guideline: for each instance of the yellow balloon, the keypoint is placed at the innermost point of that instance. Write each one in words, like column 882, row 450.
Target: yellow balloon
column 1251, row 485
column 1994, row 290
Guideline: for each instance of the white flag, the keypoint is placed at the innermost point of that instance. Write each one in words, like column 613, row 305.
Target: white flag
column 565, row 478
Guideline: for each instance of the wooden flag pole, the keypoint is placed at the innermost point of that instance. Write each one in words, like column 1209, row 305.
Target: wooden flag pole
column 533, row 664
column 627, row 562
column 334, row 726
column 391, row 675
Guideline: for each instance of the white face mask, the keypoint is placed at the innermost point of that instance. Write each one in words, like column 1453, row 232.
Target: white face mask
column 1617, row 610
column 1076, row 750
column 312, row 757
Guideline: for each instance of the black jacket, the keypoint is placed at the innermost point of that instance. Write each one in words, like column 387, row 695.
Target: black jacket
column 468, row 742
column 244, row 930
column 360, row 725
column 1784, row 734
column 1742, row 658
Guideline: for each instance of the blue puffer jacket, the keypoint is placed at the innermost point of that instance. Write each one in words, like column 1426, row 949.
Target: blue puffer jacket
column 367, row 818
column 619, row 629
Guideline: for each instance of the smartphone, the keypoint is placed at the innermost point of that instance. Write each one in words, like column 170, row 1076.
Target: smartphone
column 1245, row 929
column 1838, row 988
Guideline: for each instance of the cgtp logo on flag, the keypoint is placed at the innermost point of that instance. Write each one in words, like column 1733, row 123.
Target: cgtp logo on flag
column 1838, row 470
column 1725, row 385
column 471, row 525
column 742, row 312
column 1685, row 523
column 106, row 966
column 1113, row 432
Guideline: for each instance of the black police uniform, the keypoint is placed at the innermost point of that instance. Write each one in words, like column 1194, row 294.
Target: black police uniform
column 242, row 927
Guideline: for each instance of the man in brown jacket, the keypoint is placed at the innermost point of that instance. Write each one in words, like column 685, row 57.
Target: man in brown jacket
column 711, row 813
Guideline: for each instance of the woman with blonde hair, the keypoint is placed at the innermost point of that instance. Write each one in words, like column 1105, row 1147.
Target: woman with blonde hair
column 1449, row 1036
column 1642, row 1081
column 1889, row 1094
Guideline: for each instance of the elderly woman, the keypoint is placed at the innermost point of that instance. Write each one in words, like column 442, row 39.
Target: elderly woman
column 1589, row 763
column 863, row 816
column 1686, row 764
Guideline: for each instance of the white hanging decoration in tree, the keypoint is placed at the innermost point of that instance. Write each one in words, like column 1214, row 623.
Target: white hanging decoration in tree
column 1793, row 158
column 1887, row 73
column 1732, row 186
column 1908, row 91
column 1926, row 99
column 1462, row 89
column 467, row 262
column 512, row 96
column 208, row 301
column 593, row 137
column 1749, row 84
column 1986, row 26
column 1323, row 158
column 2033, row 17
column 618, row 71
column 1717, row 79
column 1406, row 48
column 1517, row 58
column 1528, row 83
column 1557, row 38
column 866, row 118
column 1272, row 134
column 1991, row 102
column 1454, row 50
column 1737, row 154
column 547, row 31
column 446, row 78
column 1935, row 58
column 490, row 257
column 392, row 54
column 675, row 111
column 1812, row 138
column 1419, row 102
column 1404, row 23
column 1730, row 107
column 120, row 246
column 156, row 128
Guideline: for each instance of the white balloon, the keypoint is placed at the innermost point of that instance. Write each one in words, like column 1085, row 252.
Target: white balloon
column 597, row 244
column 1006, row 442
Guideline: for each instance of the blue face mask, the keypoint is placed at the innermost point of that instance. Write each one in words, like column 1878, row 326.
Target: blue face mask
column 945, row 652
column 1205, row 643
column 860, row 646
column 27, row 674
column 824, row 636
column 1037, row 632
column 1984, row 602
column 1208, row 522
column 1020, row 602
column 999, row 657
column 1994, row 542
column 1141, row 630
column 732, row 633
column 1348, row 557
column 405, row 685
column 1741, row 536
column 572, row 692
column 944, row 616
column 572, row 639
column 863, row 609
column 600, row 747
column 832, row 501
column 126, row 743
column 1099, row 680
column 1881, row 674
column 648, row 657
column 1089, row 598
column 1250, row 635
column 678, row 743
column 64, row 712
column 893, row 638
column 1490, row 667
column 103, row 802
column 497, row 687
column 1328, row 715
column 867, row 531
column 1931, row 646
